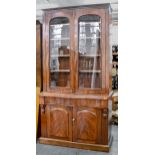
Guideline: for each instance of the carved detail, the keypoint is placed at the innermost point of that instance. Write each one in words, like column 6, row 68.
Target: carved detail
column 43, row 106
column 105, row 113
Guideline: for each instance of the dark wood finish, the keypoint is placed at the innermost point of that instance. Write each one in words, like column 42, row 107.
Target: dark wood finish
column 105, row 137
column 59, row 122
column 38, row 55
column 107, row 55
column 73, row 116
column 48, row 18
column 87, row 125
column 101, row 13
column 78, row 96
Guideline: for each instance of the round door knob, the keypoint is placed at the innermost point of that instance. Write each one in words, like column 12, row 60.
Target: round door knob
column 73, row 119
column 105, row 115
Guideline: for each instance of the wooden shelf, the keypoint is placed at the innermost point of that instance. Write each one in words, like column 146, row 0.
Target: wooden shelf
column 58, row 46
column 90, row 71
column 89, row 38
column 84, row 23
column 83, row 32
column 60, row 39
column 60, row 24
column 60, row 55
column 61, row 70
column 95, row 55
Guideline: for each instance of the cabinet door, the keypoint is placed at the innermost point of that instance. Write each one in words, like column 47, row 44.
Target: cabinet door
column 59, row 122
column 58, row 55
column 90, row 47
column 87, row 125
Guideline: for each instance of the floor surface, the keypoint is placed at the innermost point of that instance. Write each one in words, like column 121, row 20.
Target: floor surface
column 42, row 149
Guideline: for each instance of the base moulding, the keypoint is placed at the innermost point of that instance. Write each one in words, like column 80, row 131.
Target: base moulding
column 94, row 147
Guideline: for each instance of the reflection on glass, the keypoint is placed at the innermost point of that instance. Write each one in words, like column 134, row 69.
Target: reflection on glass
column 89, row 52
column 59, row 52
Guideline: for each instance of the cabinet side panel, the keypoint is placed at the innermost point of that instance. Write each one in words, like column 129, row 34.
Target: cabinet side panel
column 108, row 84
column 109, row 118
column 110, row 55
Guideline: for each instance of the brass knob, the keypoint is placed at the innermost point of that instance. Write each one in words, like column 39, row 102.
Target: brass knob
column 105, row 115
column 73, row 119
column 43, row 106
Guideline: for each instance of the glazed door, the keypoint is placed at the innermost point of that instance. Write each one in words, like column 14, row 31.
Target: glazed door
column 58, row 69
column 59, row 122
column 90, row 50
column 87, row 125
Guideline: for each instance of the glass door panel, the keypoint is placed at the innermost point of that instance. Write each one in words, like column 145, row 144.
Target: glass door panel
column 89, row 52
column 59, row 52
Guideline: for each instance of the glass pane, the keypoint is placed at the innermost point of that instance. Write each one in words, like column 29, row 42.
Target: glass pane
column 89, row 52
column 59, row 52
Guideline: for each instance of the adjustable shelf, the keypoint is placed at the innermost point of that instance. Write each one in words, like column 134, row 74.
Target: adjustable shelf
column 90, row 71
column 61, row 70
column 89, row 38
column 60, row 24
column 67, row 55
column 91, row 55
column 60, row 39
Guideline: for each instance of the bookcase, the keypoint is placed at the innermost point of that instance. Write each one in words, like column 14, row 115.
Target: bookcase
column 76, row 101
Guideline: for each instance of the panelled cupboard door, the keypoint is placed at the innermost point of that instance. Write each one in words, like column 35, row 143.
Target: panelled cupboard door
column 58, row 47
column 90, row 50
column 87, row 125
column 59, row 122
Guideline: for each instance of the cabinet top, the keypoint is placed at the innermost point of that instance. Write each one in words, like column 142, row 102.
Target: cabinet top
column 101, row 6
